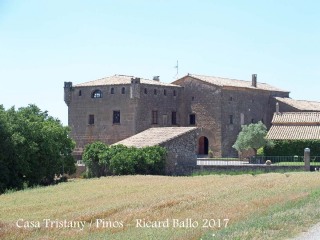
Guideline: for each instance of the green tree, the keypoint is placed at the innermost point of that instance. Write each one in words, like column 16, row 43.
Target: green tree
column 7, row 163
column 37, row 149
column 252, row 136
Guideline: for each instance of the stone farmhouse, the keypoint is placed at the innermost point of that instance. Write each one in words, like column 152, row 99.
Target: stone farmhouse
column 115, row 108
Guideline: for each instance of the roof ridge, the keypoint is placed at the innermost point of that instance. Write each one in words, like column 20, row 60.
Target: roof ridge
column 249, row 81
column 297, row 100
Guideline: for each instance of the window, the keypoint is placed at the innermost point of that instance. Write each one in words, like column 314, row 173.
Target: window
column 123, row 90
column 252, row 120
column 80, row 93
column 145, row 91
column 165, row 120
column 242, row 119
column 165, row 92
column 192, row 99
column 230, row 99
column 112, row 91
column 91, row 119
column 174, row 93
column 154, row 117
column 116, row 117
column 155, row 91
column 174, row 118
column 231, row 119
column 192, row 119
column 96, row 94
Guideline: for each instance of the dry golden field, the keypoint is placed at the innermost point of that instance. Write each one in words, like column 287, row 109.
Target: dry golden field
column 266, row 206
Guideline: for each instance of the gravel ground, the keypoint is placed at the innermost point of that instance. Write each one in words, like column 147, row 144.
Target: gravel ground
column 312, row 234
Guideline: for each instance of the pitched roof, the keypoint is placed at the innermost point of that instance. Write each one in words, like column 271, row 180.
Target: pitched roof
column 294, row 133
column 295, row 126
column 227, row 82
column 155, row 136
column 302, row 105
column 296, row 118
column 121, row 80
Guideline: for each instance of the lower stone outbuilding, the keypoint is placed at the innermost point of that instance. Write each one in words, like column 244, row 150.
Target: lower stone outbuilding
column 180, row 143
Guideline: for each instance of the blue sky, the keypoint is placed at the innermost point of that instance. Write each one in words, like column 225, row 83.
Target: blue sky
column 44, row 43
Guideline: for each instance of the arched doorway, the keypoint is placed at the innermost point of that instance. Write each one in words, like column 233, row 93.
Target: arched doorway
column 203, row 147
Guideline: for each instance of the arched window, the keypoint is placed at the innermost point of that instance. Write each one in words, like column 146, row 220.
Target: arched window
column 145, row 91
column 123, row 90
column 174, row 93
column 112, row 91
column 96, row 94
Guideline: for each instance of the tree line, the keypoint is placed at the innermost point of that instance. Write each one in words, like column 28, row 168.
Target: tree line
column 33, row 148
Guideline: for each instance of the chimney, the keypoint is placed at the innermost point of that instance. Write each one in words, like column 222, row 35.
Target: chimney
column 277, row 108
column 254, row 80
column 156, row 78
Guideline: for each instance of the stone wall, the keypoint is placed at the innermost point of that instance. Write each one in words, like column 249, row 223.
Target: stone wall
column 82, row 105
column 161, row 99
column 242, row 106
column 181, row 152
column 283, row 107
column 203, row 100
column 188, row 170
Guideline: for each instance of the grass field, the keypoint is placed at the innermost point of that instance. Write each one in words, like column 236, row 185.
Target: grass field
column 265, row 206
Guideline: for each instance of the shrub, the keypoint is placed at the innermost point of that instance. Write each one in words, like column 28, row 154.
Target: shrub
column 293, row 147
column 96, row 157
column 101, row 160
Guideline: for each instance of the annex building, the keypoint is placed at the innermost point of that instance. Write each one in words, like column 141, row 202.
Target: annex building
column 115, row 108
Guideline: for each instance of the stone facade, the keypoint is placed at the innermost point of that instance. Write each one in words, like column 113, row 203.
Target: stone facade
column 123, row 106
column 221, row 110
column 91, row 117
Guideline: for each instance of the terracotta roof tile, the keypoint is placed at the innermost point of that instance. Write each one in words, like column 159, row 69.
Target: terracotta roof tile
column 296, row 118
column 219, row 81
column 120, row 80
column 294, row 133
column 295, row 125
column 155, row 136
column 302, row 105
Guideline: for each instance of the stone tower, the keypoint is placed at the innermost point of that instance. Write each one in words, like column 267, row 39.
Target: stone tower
column 67, row 92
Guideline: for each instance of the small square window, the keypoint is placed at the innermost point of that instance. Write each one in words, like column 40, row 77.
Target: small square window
column 192, row 119
column 154, row 117
column 174, row 118
column 116, row 117
column 91, row 119
column 231, row 119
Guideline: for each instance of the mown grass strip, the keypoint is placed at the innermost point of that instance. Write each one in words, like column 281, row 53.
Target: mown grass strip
column 281, row 221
